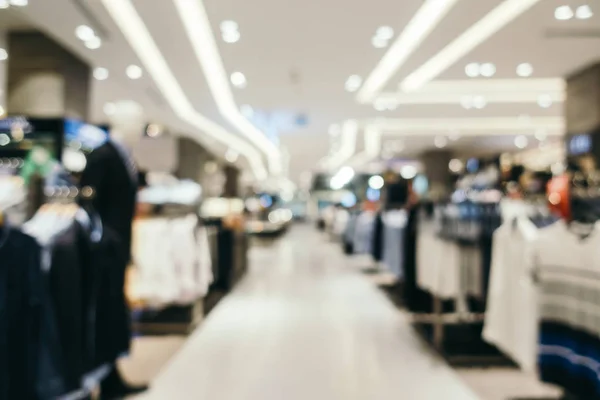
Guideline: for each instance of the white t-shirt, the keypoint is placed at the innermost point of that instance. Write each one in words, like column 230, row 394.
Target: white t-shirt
column 438, row 264
column 511, row 317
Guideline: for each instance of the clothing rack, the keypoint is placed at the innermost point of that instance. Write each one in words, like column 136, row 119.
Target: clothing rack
column 469, row 227
column 68, row 194
column 11, row 164
column 173, row 319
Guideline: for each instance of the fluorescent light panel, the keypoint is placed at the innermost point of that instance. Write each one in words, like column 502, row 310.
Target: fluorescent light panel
column 136, row 33
column 422, row 24
column 497, row 19
column 199, row 31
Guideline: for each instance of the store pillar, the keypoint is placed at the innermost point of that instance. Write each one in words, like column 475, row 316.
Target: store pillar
column 192, row 158
column 44, row 79
column 582, row 115
column 436, row 168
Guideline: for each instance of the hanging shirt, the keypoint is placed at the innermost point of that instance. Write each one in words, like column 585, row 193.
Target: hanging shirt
column 438, row 264
column 511, row 316
column 172, row 259
column 363, row 233
column 393, row 241
column 567, row 267
column 30, row 366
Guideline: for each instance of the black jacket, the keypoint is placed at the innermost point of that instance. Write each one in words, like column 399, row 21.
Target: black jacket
column 115, row 195
column 30, row 367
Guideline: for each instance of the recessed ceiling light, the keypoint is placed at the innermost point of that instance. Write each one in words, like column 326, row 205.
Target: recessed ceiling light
column 101, row 74
column 134, row 72
column 541, row 135
column 85, row 33
column 353, row 83
column 3, row 54
column 229, row 26
column 4, row 138
column 94, row 43
column 19, row 3
column 563, row 13
column 109, row 108
column 545, row 101
column 4, row 4
column 379, row 43
column 472, row 70
column 231, row 37
column 454, row 136
column 440, row 142
column 385, row 32
column 584, row 12
column 524, row 70
column 487, row 69
column 247, row 111
column 239, row 80
column 479, row 102
column 521, row 141
column 154, row 130
column 231, row 155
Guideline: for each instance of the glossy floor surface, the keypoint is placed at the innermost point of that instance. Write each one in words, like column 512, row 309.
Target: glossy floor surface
column 304, row 325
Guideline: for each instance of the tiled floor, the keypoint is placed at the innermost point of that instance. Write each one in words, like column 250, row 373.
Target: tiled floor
column 303, row 325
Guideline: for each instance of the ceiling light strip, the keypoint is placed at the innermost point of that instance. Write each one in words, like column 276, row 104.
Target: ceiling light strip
column 199, row 31
column 486, row 27
column 422, row 24
column 135, row 31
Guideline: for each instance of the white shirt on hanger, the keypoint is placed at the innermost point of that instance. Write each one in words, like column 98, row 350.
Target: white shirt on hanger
column 511, row 317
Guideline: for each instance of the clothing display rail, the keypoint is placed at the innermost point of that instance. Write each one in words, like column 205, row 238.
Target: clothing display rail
column 63, row 340
column 172, row 270
column 543, row 295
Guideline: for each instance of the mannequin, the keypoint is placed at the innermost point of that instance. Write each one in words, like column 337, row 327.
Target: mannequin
column 111, row 172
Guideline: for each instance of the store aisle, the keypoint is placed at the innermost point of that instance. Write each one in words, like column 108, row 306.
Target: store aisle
column 304, row 326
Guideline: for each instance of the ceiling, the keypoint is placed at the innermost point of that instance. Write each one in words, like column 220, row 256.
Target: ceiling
column 297, row 56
